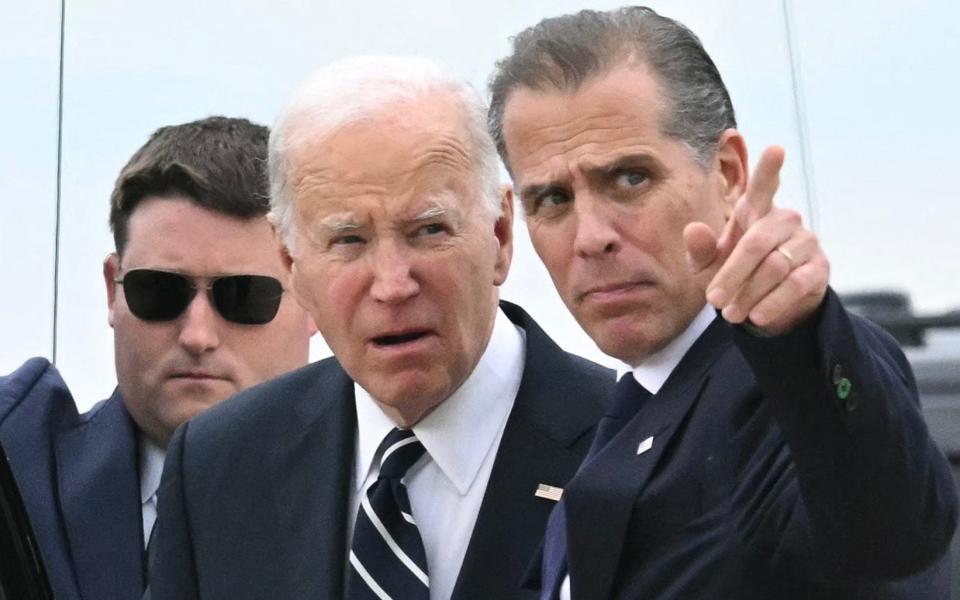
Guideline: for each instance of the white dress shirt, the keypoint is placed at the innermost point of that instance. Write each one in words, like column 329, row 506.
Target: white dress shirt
column 461, row 437
column 653, row 373
column 151, row 468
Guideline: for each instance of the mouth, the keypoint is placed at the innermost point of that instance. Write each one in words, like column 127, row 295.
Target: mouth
column 614, row 291
column 196, row 376
column 398, row 339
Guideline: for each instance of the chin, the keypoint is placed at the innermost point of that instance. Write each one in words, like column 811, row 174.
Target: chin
column 627, row 344
column 412, row 398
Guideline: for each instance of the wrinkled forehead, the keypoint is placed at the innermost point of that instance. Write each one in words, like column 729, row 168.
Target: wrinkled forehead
column 620, row 108
column 435, row 123
column 418, row 148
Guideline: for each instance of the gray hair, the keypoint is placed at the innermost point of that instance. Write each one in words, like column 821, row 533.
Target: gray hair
column 561, row 53
column 349, row 90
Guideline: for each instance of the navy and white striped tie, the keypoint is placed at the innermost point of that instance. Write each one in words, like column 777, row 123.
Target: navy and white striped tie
column 387, row 560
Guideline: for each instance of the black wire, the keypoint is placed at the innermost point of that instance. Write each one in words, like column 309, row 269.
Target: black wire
column 56, row 239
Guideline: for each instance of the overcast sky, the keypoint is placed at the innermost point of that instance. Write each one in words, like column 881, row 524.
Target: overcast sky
column 876, row 91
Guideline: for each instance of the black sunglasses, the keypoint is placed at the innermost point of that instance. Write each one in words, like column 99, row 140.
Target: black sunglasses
column 163, row 296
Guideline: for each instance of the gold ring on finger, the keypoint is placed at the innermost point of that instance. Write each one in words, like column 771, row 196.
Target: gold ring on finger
column 786, row 254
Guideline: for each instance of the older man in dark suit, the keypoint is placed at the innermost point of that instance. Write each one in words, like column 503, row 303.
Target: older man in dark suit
column 773, row 450
column 422, row 460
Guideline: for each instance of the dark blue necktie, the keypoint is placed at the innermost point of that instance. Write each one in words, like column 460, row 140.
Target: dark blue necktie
column 387, row 559
column 628, row 397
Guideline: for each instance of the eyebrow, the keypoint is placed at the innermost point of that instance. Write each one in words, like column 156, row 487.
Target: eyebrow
column 535, row 190
column 338, row 224
column 620, row 163
column 431, row 213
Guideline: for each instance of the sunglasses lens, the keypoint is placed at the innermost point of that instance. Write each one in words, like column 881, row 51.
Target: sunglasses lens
column 247, row 299
column 156, row 295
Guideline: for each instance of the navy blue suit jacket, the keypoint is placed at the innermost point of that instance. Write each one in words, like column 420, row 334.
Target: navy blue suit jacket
column 254, row 497
column 793, row 467
column 79, row 478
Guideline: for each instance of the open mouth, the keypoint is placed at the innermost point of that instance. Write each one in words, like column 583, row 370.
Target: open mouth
column 402, row 338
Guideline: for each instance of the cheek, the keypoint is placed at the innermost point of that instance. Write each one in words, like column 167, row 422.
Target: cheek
column 140, row 350
column 332, row 297
column 314, row 286
column 280, row 346
column 661, row 233
column 554, row 246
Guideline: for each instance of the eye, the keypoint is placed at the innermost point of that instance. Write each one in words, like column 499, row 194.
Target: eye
column 344, row 240
column 631, row 178
column 554, row 198
column 549, row 203
column 431, row 229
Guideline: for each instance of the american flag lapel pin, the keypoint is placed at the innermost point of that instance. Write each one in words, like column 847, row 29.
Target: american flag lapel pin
column 548, row 492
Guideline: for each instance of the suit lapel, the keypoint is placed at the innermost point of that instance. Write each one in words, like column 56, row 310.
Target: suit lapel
column 314, row 504
column 540, row 444
column 601, row 499
column 99, row 494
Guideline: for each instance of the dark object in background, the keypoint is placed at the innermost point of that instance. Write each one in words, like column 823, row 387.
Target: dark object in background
column 892, row 311
column 22, row 575
column 932, row 345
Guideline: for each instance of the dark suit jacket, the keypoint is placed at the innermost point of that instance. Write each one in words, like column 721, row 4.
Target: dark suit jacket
column 79, row 478
column 253, row 502
column 769, row 476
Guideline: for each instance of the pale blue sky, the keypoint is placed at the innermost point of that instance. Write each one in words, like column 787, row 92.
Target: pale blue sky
column 876, row 89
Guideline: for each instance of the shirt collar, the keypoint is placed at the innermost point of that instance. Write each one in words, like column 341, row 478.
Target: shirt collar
column 151, row 467
column 460, row 432
column 653, row 372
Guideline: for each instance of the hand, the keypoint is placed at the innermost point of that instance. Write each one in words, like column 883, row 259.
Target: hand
column 768, row 267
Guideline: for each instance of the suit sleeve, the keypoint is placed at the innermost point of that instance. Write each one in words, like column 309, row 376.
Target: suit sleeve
column 873, row 497
column 173, row 574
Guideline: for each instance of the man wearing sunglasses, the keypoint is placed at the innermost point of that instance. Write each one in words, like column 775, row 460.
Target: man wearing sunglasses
column 198, row 298
column 422, row 461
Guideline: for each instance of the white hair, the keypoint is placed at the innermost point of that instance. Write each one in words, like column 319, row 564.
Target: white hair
column 348, row 90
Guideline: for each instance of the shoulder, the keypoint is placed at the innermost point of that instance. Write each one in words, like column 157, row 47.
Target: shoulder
column 559, row 390
column 548, row 360
column 273, row 407
column 35, row 394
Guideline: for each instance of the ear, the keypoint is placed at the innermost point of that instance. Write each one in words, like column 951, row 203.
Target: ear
column 286, row 258
column 111, row 267
column 730, row 163
column 311, row 325
column 280, row 243
column 503, row 230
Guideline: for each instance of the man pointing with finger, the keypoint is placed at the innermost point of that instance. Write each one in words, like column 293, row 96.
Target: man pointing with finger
column 763, row 444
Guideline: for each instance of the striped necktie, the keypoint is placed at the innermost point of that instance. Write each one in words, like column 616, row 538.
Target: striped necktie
column 387, row 559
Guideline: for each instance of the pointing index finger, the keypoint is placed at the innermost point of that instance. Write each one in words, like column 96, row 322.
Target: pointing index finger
column 763, row 186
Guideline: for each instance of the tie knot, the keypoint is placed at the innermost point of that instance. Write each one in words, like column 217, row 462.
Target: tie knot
column 628, row 397
column 398, row 451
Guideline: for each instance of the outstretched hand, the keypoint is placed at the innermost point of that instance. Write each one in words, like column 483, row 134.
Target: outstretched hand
column 768, row 267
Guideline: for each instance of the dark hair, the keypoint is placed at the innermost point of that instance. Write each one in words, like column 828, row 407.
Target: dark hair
column 218, row 162
column 562, row 52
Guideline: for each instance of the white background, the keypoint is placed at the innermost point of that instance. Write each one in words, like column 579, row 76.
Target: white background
column 870, row 92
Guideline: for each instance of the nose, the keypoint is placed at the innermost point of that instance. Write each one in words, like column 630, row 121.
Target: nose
column 393, row 277
column 199, row 325
column 597, row 233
